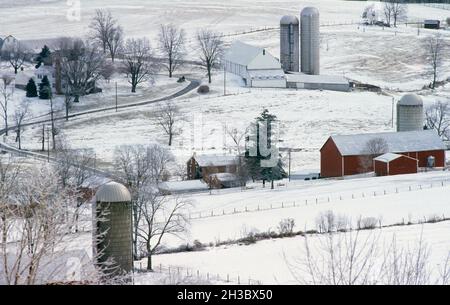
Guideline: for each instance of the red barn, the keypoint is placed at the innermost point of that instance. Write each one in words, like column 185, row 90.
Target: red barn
column 341, row 155
column 394, row 164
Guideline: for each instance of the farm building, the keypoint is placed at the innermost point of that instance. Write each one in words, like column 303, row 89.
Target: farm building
column 394, row 164
column 223, row 180
column 432, row 24
column 202, row 166
column 256, row 66
column 343, row 155
column 317, row 82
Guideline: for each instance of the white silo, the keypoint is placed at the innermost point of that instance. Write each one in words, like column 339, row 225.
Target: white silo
column 410, row 113
column 310, row 40
column 289, row 43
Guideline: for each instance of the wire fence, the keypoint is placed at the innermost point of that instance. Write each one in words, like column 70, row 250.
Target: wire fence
column 181, row 274
column 311, row 201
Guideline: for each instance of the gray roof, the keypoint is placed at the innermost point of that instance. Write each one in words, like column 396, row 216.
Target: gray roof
column 398, row 142
column 242, row 53
column 289, row 20
column 113, row 192
column 411, row 100
column 215, row 160
column 386, row 158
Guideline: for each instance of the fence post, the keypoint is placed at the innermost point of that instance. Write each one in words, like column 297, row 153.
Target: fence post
column 306, row 201
column 239, row 280
column 212, row 213
column 228, row 278
column 317, row 200
column 282, row 205
column 160, row 268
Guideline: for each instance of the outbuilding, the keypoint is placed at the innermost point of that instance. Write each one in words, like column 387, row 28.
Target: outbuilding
column 256, row 66
column 342, row 155
column 317, row 82
column 202, row 166
column 432, row 24
column 394, row 164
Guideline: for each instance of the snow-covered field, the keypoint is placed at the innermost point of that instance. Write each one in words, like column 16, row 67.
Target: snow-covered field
column 278, row 261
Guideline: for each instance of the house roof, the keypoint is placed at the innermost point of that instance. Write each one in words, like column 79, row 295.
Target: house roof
column 215, row 160
column 397, row 142
column 242, row 53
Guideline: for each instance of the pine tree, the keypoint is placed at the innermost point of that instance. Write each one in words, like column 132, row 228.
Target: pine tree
column 31, row 88
column 45, row 89
column 253, row 162
column 43, row 56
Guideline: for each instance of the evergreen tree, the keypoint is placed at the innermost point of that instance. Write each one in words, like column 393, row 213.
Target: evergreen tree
column 253, row 160
column 31, row 88
column 45, row 89
column 43, row 57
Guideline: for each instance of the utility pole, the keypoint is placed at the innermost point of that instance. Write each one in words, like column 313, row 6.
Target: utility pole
column 43, row 137
column 224, row 80
column 393, row 102
column 48, row 144
column 116, row 96
column 290, row 164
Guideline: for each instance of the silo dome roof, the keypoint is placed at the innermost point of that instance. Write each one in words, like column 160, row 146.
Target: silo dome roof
column 309, row 11
column 289, row 20
column 113, row 192
column 411, row 100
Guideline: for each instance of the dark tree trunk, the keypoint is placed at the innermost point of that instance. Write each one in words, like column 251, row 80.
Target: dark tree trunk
column 272, row 185
column 170, row 139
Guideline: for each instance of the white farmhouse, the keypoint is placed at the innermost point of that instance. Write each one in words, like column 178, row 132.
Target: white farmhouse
column 255, row 65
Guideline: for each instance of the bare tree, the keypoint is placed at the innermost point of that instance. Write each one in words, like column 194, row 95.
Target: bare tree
column 107, row 32
column 19, row 116
column 435, row 47
column 211, row 48
column 387, row 11
column 107, row 71
column 15, row 55
column 160, row 217
column 6, row 93
column 373, row 148
column 74, row 169
column 138, row 62
column 438, row 118
column 141, row 167
column 171, row 45
column 399, row 10
column 168, row 116
column 81, row 66
column 242, row 170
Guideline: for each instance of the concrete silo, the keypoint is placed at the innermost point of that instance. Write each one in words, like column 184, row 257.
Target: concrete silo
column 289, row 43
column 113, row 237
column 310, row 40
column 410, row 115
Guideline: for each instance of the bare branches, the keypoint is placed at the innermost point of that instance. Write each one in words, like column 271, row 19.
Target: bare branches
column 438, row 118
column 435, row 47
column 15, row 55
column 168, row 116
column 372, row 149
column 211, row 48
column 6, row 93
column 107, row 32
column 171, row 45
column 19, row 116
column 395, row 10
column 81, row 66
column 138, row 63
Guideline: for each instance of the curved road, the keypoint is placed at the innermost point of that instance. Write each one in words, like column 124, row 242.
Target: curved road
column 192, row 85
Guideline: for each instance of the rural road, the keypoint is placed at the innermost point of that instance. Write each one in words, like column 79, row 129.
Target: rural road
column 191, row 86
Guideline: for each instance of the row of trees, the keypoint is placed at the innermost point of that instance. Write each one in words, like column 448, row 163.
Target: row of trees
column 393, row 11
column 140, row 59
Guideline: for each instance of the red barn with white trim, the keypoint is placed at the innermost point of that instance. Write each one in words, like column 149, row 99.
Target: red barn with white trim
column 341, row 154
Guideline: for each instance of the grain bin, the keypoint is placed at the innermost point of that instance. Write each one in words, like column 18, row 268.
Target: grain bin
column 289, row 43
column 410, row 113
column 310, row 41
column 113, row 237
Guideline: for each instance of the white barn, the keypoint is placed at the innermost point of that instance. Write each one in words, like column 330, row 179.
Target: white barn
column 255, row 65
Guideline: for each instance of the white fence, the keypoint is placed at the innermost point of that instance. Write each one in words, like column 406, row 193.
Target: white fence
column 308, row 201
column 185, row 274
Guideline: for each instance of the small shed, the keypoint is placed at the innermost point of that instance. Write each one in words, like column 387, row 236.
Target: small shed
column 432, row 24
column 394, row 164
column 201, row 166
